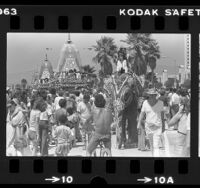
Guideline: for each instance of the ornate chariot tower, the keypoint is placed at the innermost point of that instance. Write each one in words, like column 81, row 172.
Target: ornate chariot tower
column 46, row 70
column 69, row 57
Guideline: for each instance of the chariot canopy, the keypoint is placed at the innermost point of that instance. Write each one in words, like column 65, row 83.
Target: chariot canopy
column 46, row 69
column 69, row 57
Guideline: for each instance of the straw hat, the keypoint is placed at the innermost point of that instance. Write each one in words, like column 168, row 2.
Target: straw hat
column 151, row 91
column 16, row 101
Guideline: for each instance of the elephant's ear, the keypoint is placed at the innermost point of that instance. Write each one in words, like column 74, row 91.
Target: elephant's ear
column 126, row 96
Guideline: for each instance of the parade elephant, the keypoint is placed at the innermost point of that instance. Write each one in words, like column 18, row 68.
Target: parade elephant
column 127, row 89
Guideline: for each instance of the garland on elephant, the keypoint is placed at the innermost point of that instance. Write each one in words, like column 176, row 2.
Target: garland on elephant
column 121, row 90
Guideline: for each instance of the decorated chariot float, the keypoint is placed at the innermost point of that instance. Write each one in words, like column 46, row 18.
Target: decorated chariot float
column 68, row 75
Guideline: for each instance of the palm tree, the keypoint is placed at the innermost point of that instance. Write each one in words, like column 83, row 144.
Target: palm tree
column 143, row 52
column 150, row 78
column 88, row 69
column 106, row 54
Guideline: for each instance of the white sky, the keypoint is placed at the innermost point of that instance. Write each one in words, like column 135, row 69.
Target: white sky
column 26, row 51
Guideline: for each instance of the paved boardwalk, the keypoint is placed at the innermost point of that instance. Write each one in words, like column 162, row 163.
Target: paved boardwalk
column 78, row 151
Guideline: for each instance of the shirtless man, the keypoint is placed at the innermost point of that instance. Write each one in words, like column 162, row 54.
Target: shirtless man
column 102, row 118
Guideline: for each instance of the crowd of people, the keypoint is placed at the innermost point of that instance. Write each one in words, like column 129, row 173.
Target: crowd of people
column 41, row 119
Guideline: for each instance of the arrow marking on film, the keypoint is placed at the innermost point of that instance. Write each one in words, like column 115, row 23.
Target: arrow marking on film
column 145, row 180
column 53, row 179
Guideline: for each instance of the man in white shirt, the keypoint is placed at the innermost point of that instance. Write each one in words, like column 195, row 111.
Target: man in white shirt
column 57, row 99
column 175, row 99
column 153, row 112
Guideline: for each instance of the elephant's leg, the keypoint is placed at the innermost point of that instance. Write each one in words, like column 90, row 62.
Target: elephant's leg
column 122, row 125
column 132, row 128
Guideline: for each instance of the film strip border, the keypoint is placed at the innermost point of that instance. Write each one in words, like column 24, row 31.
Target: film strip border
column 91, row 19
column 87, row 23
column 87, row 166
column 92, row 170
column 111, row 171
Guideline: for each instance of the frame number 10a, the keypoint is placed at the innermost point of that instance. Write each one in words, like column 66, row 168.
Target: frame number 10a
column 157, row 180
column 163, row 180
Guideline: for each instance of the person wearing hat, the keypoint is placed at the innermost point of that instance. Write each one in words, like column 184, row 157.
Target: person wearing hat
column 153, row 111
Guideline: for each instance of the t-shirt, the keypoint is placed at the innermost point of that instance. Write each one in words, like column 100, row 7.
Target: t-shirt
column 124, row 64
column 153, row 113
column 175, row 99
column 46, row 114
column 84, row 110
column 121, row 65
column 34, row 115
column 188, row 122
column 56, row 102
column 63, row 134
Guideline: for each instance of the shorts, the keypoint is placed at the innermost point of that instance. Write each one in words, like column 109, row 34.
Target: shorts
column 95, row 140
column 62, row 149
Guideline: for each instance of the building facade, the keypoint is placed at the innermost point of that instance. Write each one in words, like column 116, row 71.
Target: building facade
column 187, row 56
column 164, row 77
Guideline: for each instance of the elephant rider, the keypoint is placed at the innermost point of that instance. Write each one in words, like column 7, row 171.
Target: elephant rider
column 102, row 118
column 122, row 64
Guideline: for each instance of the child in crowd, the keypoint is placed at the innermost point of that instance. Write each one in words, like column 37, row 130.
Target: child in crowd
column 84, row 111
column 63, row 136
column 73, row 119
column 34, row 123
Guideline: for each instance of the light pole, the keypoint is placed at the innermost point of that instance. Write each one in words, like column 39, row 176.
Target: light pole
column 174, row 60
